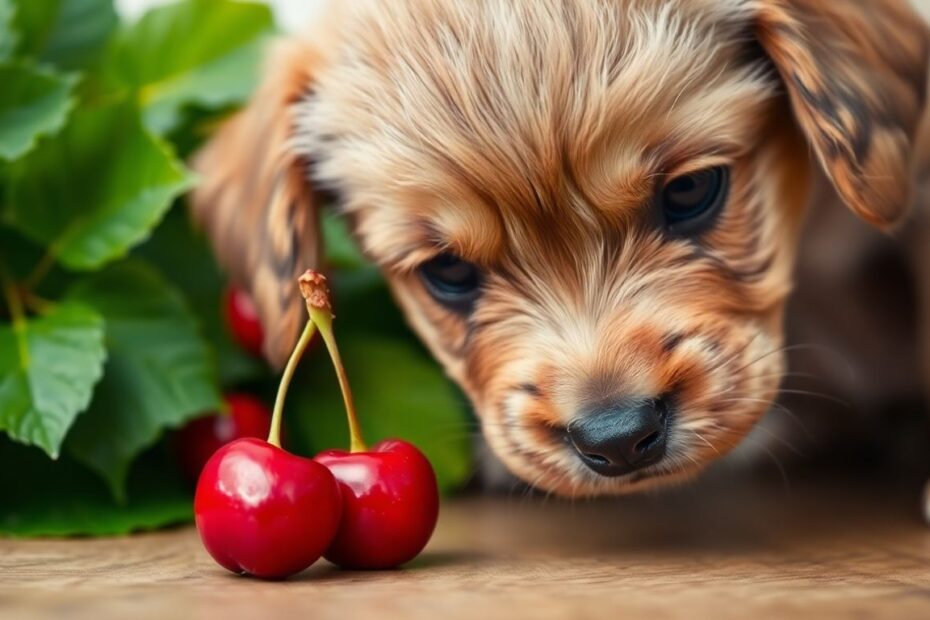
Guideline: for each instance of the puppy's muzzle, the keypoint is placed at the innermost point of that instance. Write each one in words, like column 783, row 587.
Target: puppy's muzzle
column 622, row 438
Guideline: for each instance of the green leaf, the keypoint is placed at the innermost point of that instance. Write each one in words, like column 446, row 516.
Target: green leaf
column 399, row 392
column 159, row 373
column 184, row 253
column 33, row 102
column 198, row 52
column 48, row 369
column 61, row 498
column 96, row 189
column 18, row 254
column 68, row 33
column 8, row 36
column 176, row 248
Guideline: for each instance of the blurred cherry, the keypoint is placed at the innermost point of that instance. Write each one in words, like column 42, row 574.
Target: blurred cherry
column 246, row 416
column 243, row 321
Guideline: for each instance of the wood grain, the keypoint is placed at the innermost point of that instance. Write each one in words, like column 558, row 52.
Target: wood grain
column 729, row 549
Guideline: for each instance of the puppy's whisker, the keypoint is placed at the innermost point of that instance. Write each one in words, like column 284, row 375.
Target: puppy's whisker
column 809, row 346
column 709, row 445
column 770, row 404
column 705, row 423
column 733, row 356
column 790, row 375
column 762, row 357
column 786, row 481
column 780, row 440
column 828, row 397
column 778, row 407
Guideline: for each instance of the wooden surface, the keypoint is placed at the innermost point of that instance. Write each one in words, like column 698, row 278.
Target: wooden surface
column 722, row 550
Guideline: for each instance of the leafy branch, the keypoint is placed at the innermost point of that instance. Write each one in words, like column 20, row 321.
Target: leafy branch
column 111, row 333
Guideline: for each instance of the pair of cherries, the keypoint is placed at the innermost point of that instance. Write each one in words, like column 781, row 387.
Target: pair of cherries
column 265, row 512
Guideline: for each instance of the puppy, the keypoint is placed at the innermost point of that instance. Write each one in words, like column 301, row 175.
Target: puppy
column 590, row 210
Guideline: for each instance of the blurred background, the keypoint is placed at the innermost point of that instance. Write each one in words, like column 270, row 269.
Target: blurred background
column 289, row 14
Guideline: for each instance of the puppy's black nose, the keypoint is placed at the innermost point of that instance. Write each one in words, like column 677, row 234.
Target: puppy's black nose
column 623, row 438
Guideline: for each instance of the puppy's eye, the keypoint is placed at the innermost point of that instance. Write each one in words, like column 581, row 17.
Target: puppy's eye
column 452, row 281
column 690, row 203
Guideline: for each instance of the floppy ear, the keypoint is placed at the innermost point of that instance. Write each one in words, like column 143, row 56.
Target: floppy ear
column 855, row 72
column 255, row 199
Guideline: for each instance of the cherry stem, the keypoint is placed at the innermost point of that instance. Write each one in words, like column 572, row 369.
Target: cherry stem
column 313, row 287
column 274, row 435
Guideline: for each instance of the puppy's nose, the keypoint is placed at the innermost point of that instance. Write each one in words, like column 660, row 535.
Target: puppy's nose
column 621, row 439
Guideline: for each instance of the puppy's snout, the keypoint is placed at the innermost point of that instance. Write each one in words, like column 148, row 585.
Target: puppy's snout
column 622, row 438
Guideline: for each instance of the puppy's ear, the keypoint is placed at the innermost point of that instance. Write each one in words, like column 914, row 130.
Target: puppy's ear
column 855, row 72
column 255, row 199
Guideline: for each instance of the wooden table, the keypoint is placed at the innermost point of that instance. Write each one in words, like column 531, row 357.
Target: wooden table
column 724, row 549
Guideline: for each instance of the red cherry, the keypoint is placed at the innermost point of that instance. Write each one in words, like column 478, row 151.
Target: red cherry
column 390, row 503
column 390, row 496
column 264, row 512
column 199, row 439
column 242, row 317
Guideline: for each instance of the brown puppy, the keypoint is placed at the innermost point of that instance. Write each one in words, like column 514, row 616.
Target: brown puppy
column 590, row 210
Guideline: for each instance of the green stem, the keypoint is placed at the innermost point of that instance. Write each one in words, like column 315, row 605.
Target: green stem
column 35, row 303
column 323, row 319
column 274, row 436
column 40, row 270
column 13, row 301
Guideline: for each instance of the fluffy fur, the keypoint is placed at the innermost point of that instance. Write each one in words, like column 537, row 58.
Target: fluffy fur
column 530, row 137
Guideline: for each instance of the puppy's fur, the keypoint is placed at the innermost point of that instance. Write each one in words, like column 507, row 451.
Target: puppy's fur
column 531, row 137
